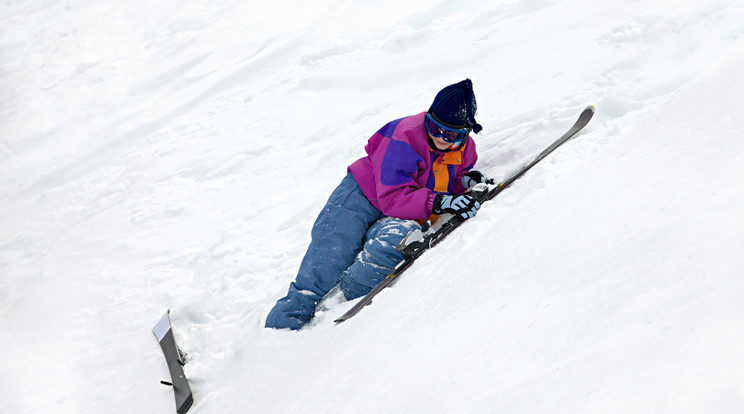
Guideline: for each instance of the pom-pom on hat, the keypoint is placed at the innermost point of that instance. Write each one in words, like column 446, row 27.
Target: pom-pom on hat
column 455, row 106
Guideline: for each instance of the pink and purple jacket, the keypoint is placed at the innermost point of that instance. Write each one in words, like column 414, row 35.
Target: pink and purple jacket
column 402, row 174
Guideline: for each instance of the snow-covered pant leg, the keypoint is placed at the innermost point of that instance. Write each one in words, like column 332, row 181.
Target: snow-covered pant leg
column 337, row 237
column 378, row 257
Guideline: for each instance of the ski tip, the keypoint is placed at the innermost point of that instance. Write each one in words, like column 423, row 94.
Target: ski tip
column 163, row 326
column 342, row 318
column 590, row 108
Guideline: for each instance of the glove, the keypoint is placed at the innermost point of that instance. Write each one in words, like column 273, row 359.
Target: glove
column 464, row 205
column 475, row 177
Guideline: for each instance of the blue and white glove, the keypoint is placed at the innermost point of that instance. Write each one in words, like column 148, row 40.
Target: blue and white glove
column 475, row 177
column 464, row 205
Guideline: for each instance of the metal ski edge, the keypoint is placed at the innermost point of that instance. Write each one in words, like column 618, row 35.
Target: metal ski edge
column 454, row 222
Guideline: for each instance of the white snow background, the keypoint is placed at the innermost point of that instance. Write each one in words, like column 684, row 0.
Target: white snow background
column 174, row 155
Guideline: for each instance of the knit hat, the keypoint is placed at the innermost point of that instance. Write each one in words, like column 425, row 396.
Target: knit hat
column 455, row 105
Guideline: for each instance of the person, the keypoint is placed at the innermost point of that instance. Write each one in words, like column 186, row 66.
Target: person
column 416, row 168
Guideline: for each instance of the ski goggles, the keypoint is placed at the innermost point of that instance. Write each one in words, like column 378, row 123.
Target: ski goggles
column 447, row 133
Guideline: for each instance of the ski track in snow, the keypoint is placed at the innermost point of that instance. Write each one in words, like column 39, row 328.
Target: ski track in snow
column 177, row 157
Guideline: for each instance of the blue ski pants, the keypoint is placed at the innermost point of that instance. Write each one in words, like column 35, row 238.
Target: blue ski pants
column 353, row 244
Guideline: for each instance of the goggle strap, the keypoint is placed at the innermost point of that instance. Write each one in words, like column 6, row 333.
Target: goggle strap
column 445, row 125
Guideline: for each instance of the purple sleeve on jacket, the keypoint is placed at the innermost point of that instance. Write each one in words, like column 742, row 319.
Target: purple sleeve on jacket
column 399, row 164
column 398, row 193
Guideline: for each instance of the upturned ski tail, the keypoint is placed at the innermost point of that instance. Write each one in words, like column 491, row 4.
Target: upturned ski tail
column 173, row 356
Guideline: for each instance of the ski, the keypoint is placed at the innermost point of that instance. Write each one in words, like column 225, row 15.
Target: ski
column 174, row 358
column 412, row 249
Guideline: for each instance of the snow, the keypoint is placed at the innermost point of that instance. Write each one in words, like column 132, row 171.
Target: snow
column 175, row 157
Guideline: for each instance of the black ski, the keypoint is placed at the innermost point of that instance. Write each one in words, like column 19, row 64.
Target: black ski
column 412, row 250
column 174, row 358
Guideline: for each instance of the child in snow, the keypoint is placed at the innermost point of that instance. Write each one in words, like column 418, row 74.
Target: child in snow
column 416, row 167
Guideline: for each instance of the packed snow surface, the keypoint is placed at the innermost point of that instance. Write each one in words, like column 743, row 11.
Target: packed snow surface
column 174, row 155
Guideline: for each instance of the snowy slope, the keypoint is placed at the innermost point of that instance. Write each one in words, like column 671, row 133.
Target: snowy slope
column 176, row 157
